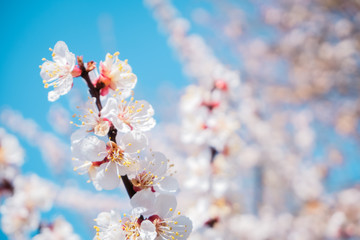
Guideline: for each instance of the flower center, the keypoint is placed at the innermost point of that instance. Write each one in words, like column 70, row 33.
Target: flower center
column 124, row 115
column 102, row 127
column 161, row 226
column 143, row 180
column 115, row 153
column 131, row 230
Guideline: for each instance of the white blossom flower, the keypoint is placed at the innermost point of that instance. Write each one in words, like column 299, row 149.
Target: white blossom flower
column 59, row 230
column 107, row 162
column 60, row 72
column 93, row 120
column 111, row 226
column 160, row 225
column 153, row 175
column 115, row 74
column 166, row 225
column 132, row 115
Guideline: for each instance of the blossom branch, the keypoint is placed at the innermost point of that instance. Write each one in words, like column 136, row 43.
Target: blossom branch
column 95, row 92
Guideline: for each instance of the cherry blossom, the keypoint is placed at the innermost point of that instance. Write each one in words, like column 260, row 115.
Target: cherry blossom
column 132, row 115
column 115, row 74
column 59, row 73
column 167, row 225
column 94, row 120
column 159, row 225
column 153, row 174
column 107, row 162
column 111, row 148
column 113, row 226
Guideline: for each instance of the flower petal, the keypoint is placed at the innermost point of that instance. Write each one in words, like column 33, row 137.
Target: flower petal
column 110, row 108
column 147, row 230
column 125, row 80
column 167, row 185
column 48, row 70
column 53, row 96
column 143, row 201
column 183, row 226
column 158, row 164
column 133, row 141
column 63, row 56
column 107, row 178
column 165, row 205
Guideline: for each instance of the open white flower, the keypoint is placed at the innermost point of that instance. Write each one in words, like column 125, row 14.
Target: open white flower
column 132, row 115
column 93, row 120
column 153, row 175
column 160, row 225
column 161, row 219
column 113, row 226
column 107, row 162
column 116, row 74
column 109, row 226
column 59, row 73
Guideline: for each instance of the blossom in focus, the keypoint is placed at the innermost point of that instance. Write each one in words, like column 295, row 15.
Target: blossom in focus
column 106, row 162
column 159, row 225
column 113, row 226
column 109, row 226
column 115, row 74
column 59, row 230
column 153, row 175
column 163, row 221
column 94, row 121
column 59, row 73
column 132, row 115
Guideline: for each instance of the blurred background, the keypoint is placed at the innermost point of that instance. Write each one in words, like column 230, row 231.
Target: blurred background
column 257, row 104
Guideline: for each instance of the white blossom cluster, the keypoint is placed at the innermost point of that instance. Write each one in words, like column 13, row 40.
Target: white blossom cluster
column 21, row 211
column 25, row 197
column 111, row 147
column 210, row 128
column 250, row 160
column 58, row 230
